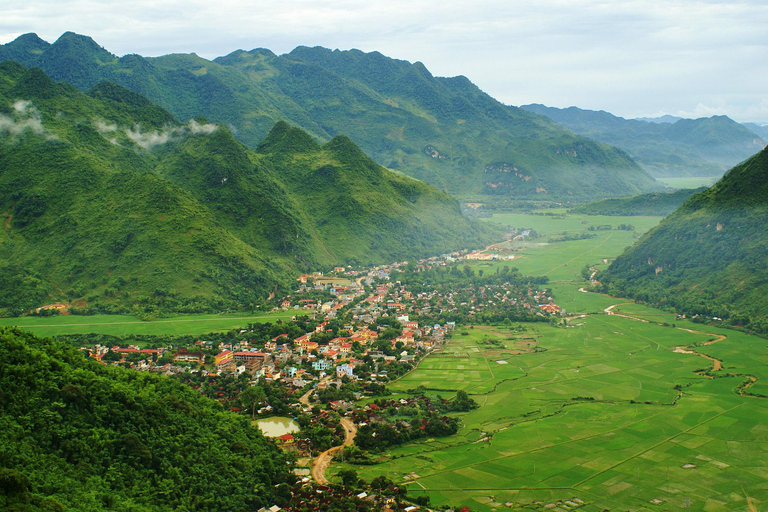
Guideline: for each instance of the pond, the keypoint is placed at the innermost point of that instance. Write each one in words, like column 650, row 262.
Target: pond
column 277, row 426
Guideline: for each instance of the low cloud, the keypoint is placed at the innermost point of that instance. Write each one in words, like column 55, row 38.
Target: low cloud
column 24, row 117
column 153, row 138
column 148, row 140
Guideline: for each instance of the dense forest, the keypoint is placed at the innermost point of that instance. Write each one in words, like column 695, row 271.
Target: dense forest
column 77, row 435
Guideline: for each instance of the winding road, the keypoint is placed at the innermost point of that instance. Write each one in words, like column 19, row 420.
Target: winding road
column 321, row 463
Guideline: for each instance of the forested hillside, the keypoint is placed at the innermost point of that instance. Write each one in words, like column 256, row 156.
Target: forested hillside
column 444, row 131
column 686, row 147
column 710, row 257
column 77, row 435
column 111, row 204
column 656, row 203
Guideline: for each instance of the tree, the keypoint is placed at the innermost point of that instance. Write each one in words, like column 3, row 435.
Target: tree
column 349, row 477
column 253, row 395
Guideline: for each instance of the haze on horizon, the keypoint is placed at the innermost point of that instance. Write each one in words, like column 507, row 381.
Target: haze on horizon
column 687, row 58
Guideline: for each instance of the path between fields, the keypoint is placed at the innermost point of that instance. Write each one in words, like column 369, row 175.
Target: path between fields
column 321, row 463
column 717, row 364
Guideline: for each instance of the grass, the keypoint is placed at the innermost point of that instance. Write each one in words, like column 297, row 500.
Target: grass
column 689, row 182
column 120, row 325
column 605, row 411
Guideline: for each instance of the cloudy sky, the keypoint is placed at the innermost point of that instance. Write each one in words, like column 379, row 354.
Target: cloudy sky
column 633, row 58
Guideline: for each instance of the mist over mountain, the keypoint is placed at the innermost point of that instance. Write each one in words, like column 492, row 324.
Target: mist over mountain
column 708, row 258
column 670, row 147
column 110, row 203
column 443, row 131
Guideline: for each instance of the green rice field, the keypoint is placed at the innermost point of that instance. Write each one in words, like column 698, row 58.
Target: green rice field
column 689, row 182
column 632, row 410
column 119, row 325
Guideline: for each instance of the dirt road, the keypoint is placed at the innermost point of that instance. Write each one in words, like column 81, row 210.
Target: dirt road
column 321, row 463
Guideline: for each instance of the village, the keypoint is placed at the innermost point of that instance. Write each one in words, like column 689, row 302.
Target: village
column 352, row 331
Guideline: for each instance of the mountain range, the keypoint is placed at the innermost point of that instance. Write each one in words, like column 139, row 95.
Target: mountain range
column 674, row 148
column 110, row 203
column 710, row 257
column 443, row 131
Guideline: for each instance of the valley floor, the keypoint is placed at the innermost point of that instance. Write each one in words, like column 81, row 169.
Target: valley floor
column 627, row 408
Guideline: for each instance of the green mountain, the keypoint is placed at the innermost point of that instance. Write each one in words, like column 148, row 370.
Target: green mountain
column 710, row 257
column 685, row 147
column 111, row 204
column 443, row 131
column 77, row 435
column 656, row 203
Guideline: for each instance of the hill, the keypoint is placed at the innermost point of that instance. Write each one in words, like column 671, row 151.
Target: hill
column 77, row 435
column 111, row 204
column 679, row 147
column 443, row 131
column 710, row 257
column 658, row 203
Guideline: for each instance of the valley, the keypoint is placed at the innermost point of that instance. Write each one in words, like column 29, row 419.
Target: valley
column 615, row 405
column 629, row 410
column 190, row 246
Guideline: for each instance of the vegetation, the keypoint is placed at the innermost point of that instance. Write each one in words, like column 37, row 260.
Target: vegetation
column 687, row 147
column 110, row 207
column 443, row 131
column 657, row 203
column 77, row 435
column 708, row 259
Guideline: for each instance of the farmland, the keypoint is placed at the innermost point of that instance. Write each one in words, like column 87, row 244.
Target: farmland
column 123, row 325
column 603, row 413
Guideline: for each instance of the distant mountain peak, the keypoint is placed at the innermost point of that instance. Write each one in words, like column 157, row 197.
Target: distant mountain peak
column 287, row 139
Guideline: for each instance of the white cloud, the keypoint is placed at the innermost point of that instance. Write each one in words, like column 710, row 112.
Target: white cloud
column 625, row 56
column 24, row 117
column 154, row 138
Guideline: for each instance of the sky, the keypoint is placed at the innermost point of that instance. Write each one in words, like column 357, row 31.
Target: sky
column 633, row 58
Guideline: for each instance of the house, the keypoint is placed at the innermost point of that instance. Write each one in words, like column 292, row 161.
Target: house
column 189, row 357
column 321, row 365
column 245, row 357
column 131, row 350
column 550, row 308
column 223, row 357
column 345, row 369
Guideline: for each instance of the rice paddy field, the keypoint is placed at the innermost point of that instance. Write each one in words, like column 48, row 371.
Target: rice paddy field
column 632, row 410
column 122, row 325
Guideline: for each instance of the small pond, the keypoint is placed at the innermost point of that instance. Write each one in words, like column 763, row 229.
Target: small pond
column 277, row 426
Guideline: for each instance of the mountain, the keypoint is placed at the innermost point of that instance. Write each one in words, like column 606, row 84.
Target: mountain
column 710, row 257
column 78, row 435
column 686, row 147
column 111, row 204
column 656, row 203
column 666, row 118
column 761, row 130
column 443, row 131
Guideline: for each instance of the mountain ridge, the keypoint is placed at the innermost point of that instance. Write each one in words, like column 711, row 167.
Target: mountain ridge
column 443, row 131
column 112, row 204
column 700, row 147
